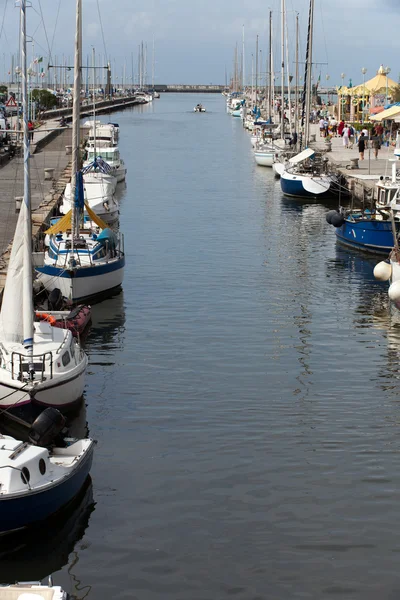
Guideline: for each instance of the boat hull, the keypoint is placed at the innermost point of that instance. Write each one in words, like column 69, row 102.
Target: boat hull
column 62, row 392
column 18, row 513
column 301, row 186
column 367, row 235
column 264, row 159
column 85, row 284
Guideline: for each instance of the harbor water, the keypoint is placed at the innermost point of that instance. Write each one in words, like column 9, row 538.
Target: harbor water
column 243, row 389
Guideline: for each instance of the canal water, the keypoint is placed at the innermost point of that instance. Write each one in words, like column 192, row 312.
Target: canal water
column 243, row 389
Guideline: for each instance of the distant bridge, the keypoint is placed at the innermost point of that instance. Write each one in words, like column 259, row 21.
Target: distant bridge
column 191, row 88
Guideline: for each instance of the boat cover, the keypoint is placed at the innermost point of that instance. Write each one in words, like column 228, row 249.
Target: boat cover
column 307, row 153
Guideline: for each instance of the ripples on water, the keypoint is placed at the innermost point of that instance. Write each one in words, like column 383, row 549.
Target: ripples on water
column 243, row 388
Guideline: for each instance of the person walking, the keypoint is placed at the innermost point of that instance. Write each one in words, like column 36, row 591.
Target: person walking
column 345, row 136
column 341, row 127
column 352, row 133
column 376, row 144
column 361, row 145
column 321, row 128
column 30, row 130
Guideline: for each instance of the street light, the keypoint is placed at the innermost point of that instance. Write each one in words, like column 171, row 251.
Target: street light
column 342, row 75
column 363, row 71
column 327, row 77
column 386, row 71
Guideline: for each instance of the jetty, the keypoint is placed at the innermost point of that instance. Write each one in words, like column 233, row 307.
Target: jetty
column 360, row 175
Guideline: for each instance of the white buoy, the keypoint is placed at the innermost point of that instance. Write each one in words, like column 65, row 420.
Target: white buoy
column 394, row 291
column 383, row 271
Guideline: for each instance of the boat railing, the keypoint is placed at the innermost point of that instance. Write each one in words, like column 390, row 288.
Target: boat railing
column 20, row 365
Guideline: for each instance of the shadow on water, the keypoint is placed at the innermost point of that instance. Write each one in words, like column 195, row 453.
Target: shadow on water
column 33, row 555
column 108, row 321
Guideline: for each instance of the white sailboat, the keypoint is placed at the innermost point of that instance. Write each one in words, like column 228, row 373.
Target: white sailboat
column 307, row 178
column 37, row 362
column 84, row 264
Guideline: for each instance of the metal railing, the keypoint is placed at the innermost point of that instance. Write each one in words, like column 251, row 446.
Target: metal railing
column 20, row 365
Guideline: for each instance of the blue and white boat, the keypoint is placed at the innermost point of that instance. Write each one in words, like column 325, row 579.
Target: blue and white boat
column 83, row 267
column 84, row 264
column 35, row 483
column 303, row 177
column 371, row 230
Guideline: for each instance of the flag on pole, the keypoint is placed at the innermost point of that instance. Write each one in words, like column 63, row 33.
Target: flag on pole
column 38, row 59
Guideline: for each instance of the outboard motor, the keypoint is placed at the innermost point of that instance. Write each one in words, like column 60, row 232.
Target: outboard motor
column 55, row 299
column 46, row 427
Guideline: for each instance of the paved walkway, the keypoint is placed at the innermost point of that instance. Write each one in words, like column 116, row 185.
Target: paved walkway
column 11, row 181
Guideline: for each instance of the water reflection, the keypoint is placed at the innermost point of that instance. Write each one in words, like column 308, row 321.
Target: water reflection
column 33, row 555
column 108, row 324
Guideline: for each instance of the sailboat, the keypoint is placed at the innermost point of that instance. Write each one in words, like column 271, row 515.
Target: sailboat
column 305, row 176
column 99, row 180
column 84, row 264
column 38, row 362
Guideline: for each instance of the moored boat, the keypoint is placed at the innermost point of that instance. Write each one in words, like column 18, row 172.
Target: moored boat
column 75, row 320
column 36, row 482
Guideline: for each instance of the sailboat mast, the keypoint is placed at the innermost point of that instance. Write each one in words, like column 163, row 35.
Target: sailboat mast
column 27, row 280
column 94, row 101
column 256, row 70
column 243, row 64
column 283, row 72
column 75, row 118
column 309, row 69
column 152, row 66
column 270, row 67
column 296, row 100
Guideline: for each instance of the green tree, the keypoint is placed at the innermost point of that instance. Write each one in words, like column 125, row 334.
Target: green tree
column 395, row 93
column 45, row 99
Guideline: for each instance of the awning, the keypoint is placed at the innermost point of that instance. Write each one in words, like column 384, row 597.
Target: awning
column 64, row 224
column 390, row 113
column 307, row 153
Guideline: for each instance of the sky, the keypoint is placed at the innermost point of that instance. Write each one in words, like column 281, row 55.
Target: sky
column 194, row 41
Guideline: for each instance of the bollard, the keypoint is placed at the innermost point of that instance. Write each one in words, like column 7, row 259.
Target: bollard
column 48, row 174
column 18, row 203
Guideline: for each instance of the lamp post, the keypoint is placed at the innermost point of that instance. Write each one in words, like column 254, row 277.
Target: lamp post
column 18, row 73
column 363, row 71
column 327, row 77
column 342, row 76
column 386, row 71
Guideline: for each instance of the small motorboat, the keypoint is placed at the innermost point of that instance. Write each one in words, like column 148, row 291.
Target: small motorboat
column 76, row 320
column 199, row 108
column 32, row 590
column 38, row 478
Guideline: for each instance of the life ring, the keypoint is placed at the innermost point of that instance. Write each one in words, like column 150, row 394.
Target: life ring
column 45, row 317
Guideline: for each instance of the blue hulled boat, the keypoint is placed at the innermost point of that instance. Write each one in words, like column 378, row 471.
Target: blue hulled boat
column 35, row 483
column 365, row 232
column 304, row 176
column 371, row 230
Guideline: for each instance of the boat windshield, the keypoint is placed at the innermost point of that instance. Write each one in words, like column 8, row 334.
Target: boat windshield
column 104, row 155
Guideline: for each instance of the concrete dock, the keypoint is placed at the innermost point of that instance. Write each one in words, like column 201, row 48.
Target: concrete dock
column 361, row 181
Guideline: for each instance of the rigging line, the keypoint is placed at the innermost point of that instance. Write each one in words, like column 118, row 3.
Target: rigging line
column 55, row 28
column 101, row 27
column 323, row 31
column 4, row 16
column 44, row 27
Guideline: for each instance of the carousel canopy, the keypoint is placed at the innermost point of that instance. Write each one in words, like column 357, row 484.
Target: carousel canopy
column 375, row 85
